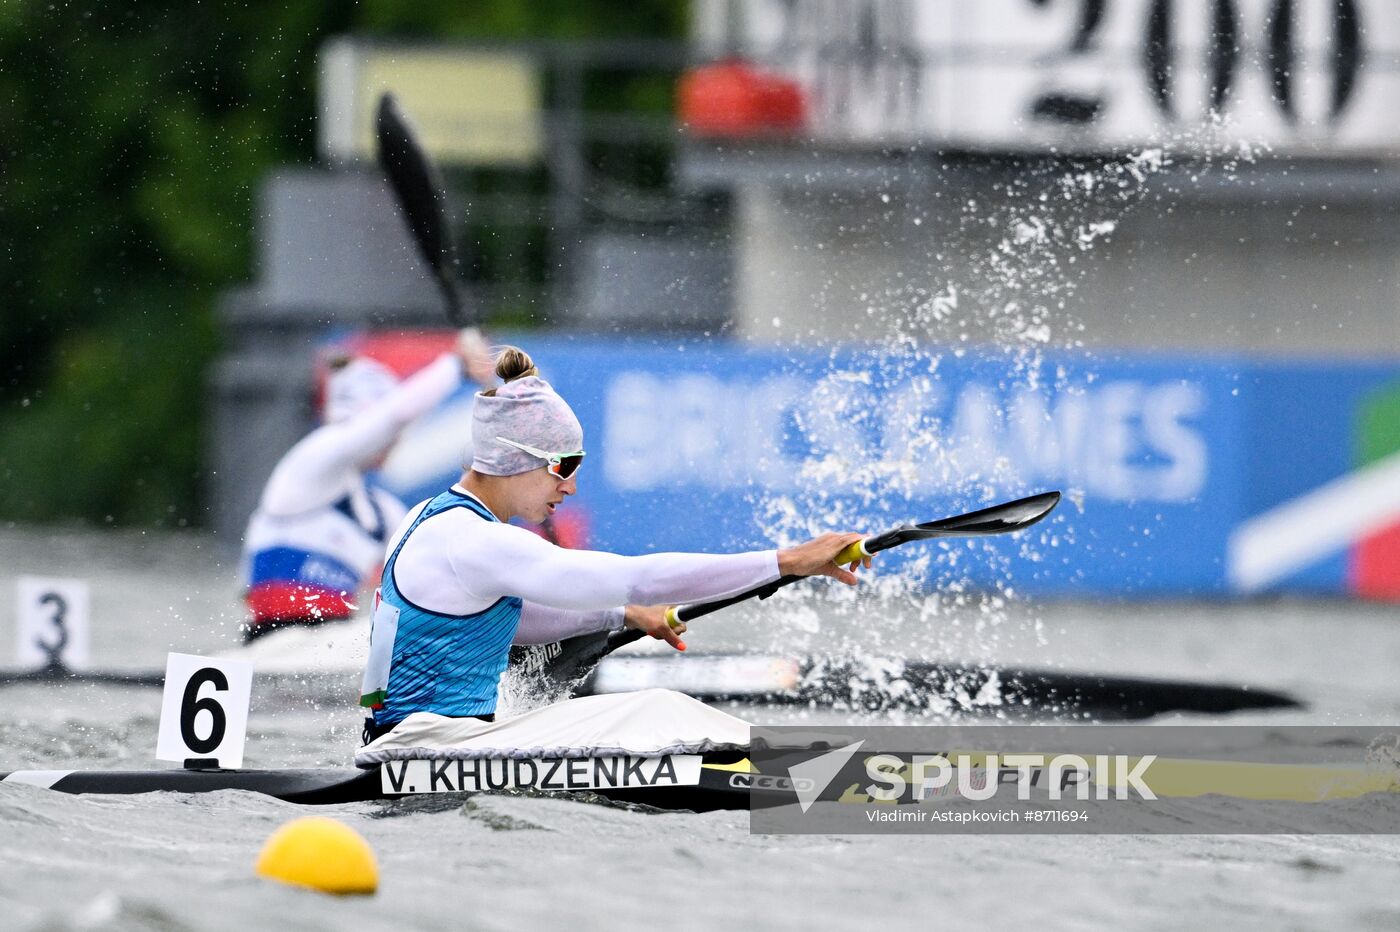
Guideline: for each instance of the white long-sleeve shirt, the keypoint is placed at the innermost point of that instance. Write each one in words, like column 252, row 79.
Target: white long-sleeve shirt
column 458, row 564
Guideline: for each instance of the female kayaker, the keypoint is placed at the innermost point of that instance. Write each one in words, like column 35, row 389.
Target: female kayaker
column 319, row 530
column 460, row 584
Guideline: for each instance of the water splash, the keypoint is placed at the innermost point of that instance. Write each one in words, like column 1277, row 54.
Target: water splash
column 879, row 450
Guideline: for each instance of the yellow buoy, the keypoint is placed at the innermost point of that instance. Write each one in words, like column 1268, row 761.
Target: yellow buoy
column 319, row 853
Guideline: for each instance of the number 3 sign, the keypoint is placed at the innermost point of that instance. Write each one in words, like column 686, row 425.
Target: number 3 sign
column 204, row 710
column 53, row 622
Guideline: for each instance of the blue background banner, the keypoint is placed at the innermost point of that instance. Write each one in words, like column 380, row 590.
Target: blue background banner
column 711, row 446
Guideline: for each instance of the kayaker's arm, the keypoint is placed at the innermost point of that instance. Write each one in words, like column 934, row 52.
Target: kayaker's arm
column 312, row 472
column 521, row 563
column 543, row 624
column 524, row 564
column 460, row 565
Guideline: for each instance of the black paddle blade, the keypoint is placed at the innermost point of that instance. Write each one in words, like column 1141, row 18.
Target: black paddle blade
column 549, row 668
column 423, row 199
column 998, row 519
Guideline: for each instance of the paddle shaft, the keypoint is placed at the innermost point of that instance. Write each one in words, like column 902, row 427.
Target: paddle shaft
column 996, row 519
column 852, row 554
column 685, row 613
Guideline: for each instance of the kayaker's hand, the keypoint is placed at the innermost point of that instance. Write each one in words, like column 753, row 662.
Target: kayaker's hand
column 651, row 619
column 817, row 558
column 477, row 363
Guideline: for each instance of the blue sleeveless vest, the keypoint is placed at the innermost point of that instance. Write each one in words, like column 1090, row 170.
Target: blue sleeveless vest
column 426, row 661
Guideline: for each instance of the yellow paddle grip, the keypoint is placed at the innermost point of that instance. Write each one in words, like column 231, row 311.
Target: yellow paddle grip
column 671, row 617
column 852, row 553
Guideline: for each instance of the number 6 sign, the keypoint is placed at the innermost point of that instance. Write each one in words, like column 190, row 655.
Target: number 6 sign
column 204, row 710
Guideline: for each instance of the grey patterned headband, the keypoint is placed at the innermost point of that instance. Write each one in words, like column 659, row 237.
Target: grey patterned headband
column 527, row 411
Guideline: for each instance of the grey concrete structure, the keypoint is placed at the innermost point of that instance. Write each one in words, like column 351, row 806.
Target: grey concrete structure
column 1297, row 258
column 658, row 282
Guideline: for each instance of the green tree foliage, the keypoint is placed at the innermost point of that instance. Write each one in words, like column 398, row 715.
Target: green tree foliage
column 132, row 139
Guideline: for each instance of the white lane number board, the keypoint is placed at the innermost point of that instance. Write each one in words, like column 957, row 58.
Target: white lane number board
column 52, row 622
column 204, row 710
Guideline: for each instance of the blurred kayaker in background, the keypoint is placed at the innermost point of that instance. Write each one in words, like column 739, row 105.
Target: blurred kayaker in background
column 319, row 530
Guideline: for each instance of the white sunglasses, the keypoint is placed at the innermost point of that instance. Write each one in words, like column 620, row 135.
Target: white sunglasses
column 560, row 465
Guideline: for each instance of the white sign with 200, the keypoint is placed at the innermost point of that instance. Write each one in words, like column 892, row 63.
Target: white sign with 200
column 1089, row 75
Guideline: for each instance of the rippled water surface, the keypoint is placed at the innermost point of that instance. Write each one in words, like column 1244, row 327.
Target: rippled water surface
column 172, row 862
